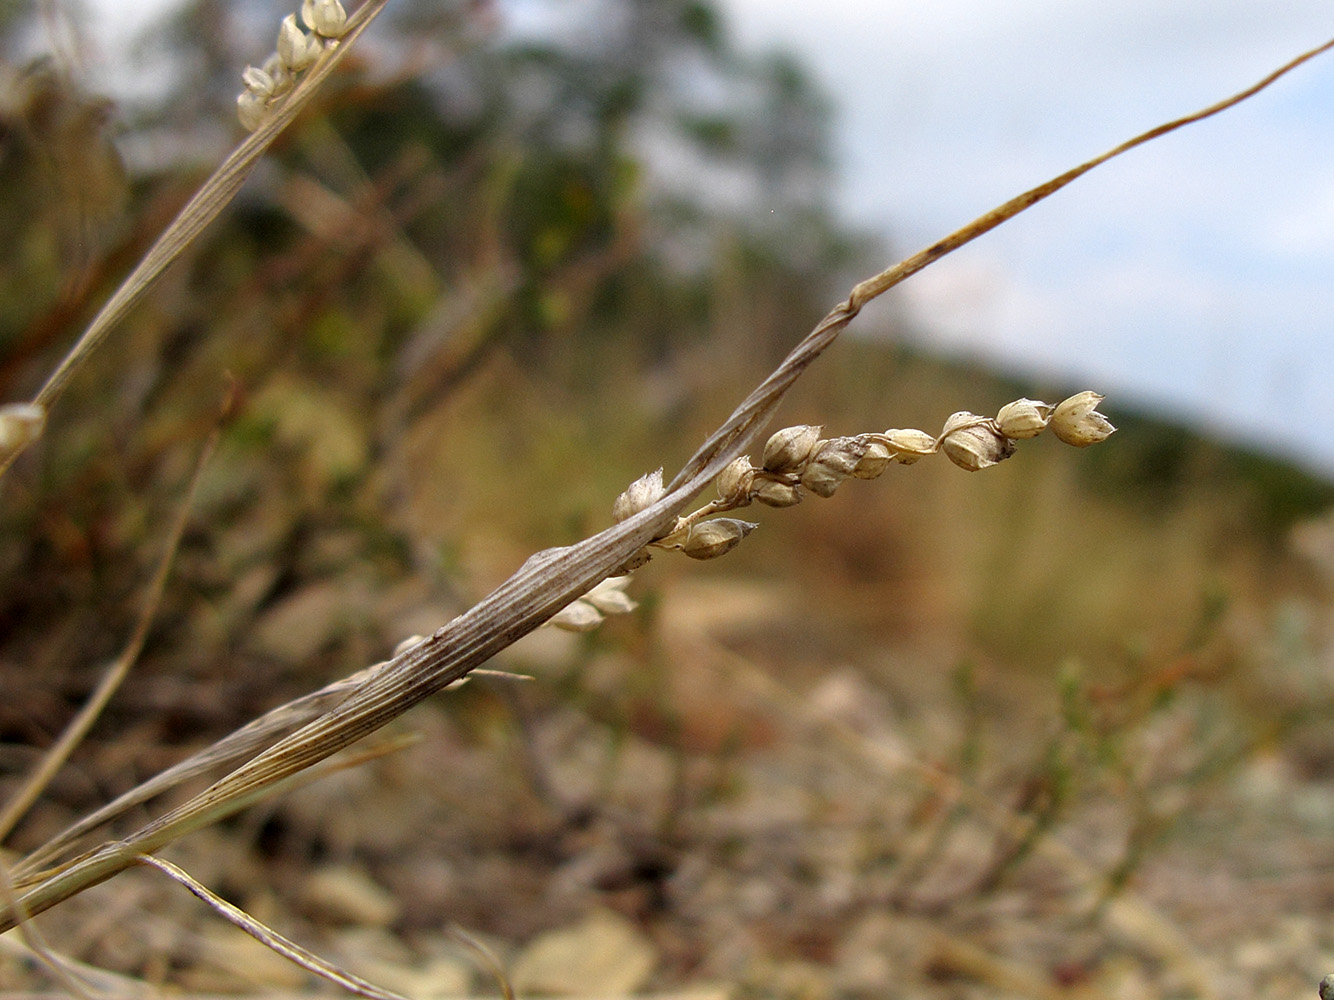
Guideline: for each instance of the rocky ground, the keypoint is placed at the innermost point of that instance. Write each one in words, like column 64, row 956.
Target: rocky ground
column 728, row 798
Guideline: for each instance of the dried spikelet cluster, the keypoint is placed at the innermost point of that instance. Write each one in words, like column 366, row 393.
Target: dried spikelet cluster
column 607, row 598
column 798, row 458
column 265, row 85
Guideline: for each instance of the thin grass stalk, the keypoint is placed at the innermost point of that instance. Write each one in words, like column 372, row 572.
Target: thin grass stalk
column 815, row 343
column 55, row 757
column 36, row 943
column 551, row 579
column 231, row 750
column 270, row 938
column 486, row 957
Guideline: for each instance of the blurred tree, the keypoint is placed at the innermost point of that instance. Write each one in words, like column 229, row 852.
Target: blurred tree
column 606, row 143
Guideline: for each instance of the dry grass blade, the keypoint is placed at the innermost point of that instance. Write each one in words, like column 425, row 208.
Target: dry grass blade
column 36, row 943
column 216, row 193
column 548, row 581
column 486, row 957
column 270, row 938
column 241, row 745
column 244, row 743
column 30, row 869
column 54, row 758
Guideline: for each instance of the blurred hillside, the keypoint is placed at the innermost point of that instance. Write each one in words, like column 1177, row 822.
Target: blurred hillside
column 492, row 279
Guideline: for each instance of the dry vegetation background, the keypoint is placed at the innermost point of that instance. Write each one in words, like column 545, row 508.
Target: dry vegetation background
column 1059, row 729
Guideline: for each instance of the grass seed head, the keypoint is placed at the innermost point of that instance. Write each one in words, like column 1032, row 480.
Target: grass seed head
column 279, row 73
column 258, row 82
column 831, row 462
column 974, row 443
column 1024, row 418
column 326, row 18
column 250, row 110
column 908, row 444
column 296, row 49
column 610, row 597
column 577, row 616
column 874, row 462
column 643, row 493
column 734, row 483
column 788, row 449
column 1078, row 422
column 711, row 539
column 773, row 493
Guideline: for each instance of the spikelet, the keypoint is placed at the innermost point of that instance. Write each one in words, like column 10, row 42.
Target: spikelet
column 1078, row 422
column 797, row 458
column 643, row 493
column 20, row 425
column 974, row 443
column 788, row 449
column 264, row 87
column 1024, row 418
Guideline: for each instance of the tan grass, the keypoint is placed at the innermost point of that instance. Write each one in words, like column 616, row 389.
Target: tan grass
column 331, row 720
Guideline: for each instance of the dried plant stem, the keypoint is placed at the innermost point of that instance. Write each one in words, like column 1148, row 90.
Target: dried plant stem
column 240, row 745
column 547, row 582
column 245, row 742
column 216, row 193
column 36, row 943
column 486, row 957
column 270, row 938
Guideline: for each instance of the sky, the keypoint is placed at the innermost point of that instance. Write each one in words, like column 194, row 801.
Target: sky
column 1193, row 276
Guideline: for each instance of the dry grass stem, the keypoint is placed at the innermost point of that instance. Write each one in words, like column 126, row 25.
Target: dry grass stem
column 758, row 406
column 543, row 585
column 486, row 957
column 270, row 938
column 240, row 745
column 117, row 670
column 215, row 194
column 226, row 752
column 36, row 943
